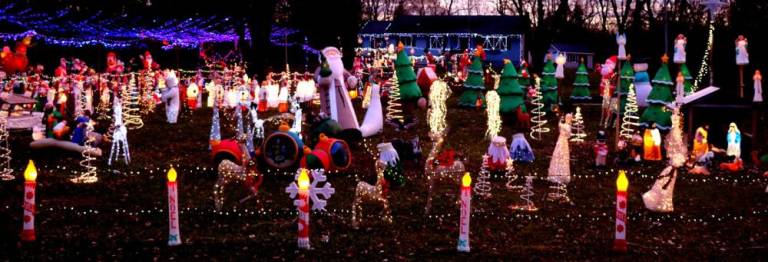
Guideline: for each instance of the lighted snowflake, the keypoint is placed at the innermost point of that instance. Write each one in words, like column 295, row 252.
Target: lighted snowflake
column 326, row 190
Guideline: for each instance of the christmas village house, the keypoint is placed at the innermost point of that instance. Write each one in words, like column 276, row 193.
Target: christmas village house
column 502, row 37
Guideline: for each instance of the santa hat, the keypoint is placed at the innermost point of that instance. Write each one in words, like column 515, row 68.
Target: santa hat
column 611, row 60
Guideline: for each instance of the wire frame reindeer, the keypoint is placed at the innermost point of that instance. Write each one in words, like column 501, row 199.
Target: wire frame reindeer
column 232, row 172
column 435, row 170
column 375, row 193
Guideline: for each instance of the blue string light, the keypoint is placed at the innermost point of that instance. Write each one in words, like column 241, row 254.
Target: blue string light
column 116, row 32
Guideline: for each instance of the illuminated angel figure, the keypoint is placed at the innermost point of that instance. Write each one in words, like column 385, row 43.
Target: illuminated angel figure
column 560, row 166
column 679, row 56
column 742, row 57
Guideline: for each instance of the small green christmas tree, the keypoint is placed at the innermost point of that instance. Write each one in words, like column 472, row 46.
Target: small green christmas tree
column 549, row 84
column 473, row 85
column 581, row 83
column 687, row 85
column 660, row 96
column 509, row 90
column 627, row 78
column 406, row 77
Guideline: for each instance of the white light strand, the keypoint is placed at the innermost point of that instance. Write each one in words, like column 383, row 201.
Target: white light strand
column 483, row 185
column 630, row 121
column 6, row 173
column 538, row 112
column 578, row 134
column 394, row 108
column 492, row 110
column 130, row 102
column 89, row 175
column 526, row 195
column 704, row 70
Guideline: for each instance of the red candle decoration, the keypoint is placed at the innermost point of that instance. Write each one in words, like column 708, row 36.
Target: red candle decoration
column 30, row 176
column 466, row 210
column 303, row 206
column 174, row 237
column 620, row 243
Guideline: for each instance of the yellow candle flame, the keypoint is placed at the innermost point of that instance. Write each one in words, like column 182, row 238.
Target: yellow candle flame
column 172, row 175
column 30, row 174
column 303, row 180
column 466, row 180
column 622, row 183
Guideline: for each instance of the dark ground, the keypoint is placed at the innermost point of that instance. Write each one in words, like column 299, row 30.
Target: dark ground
column 123, row 216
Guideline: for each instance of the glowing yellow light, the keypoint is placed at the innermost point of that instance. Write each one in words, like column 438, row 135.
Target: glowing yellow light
column 466, row 180
column 172, row 175
column 494, row 119
column 30, row 174
column 622, row 183
column 439, row 93
column 353, row 94
column 303, row 180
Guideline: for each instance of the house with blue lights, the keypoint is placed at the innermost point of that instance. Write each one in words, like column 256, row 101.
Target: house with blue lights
column 502, row 37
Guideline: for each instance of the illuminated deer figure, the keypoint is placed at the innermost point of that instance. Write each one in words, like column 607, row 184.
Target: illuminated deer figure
column 244, row 172
column 368, row 192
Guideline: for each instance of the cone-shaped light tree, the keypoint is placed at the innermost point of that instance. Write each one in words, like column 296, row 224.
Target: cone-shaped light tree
column 687, row 85
column 627, row 77
column 473, row 85
column 660, row 96
column 509, row 90
column 581, row 83
column 406, row 77
column 549, row 84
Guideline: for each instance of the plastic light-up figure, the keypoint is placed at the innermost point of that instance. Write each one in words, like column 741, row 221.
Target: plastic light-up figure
column 119, row 137
column 734, row 141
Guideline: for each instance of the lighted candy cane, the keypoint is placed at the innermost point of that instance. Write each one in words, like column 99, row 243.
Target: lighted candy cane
column 306, row 191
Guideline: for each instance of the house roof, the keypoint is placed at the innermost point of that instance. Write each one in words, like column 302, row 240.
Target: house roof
column 726, row 96
column 482, row 25
column 571, row 48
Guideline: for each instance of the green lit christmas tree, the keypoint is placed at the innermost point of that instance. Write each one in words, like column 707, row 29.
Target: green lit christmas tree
column 473, row 85
column 509, row 90
column 660, row 96
column 581, row 83
column 687, row 85
column 549, row 84
column 406, row 77
column 627, row 78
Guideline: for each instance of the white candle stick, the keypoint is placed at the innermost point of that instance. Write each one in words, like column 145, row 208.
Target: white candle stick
column 174, row 237
column 466, row 201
